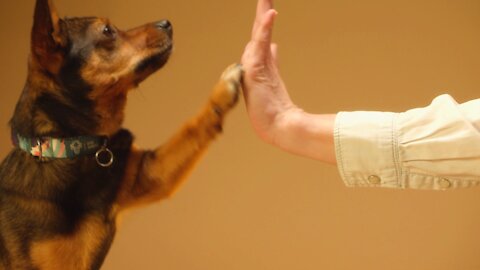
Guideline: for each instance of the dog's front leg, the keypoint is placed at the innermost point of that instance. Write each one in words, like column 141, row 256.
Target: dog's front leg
column 153, row 175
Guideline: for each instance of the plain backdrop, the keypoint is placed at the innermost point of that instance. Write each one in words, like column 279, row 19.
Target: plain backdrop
column 250, row 206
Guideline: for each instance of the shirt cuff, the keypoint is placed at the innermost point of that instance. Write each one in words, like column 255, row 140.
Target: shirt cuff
column 366, row 149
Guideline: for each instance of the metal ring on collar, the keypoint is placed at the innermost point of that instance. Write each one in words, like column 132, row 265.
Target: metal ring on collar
column 109, row 153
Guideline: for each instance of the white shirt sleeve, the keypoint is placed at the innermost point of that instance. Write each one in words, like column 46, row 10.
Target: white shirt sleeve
column 436, row 147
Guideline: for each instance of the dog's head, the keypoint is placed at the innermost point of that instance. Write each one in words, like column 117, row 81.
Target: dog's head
column 90, row 59
column 93, row 50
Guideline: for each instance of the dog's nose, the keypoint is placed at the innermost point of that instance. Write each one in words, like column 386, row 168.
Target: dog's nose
column 166, row 26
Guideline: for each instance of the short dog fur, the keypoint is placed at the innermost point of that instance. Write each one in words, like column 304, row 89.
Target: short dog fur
column 61, row 213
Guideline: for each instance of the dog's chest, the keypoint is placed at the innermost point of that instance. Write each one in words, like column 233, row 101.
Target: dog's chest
column 83, row 249
column 67, row 220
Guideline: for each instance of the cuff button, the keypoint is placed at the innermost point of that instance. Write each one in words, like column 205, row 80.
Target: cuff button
column 374, row 180
column 444, row 183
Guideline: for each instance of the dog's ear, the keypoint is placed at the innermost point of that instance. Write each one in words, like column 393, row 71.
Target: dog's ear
column 47, row 38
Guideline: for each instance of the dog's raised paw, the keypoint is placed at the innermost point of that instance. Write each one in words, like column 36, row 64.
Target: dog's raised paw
column 232, row 76
column 227, row 92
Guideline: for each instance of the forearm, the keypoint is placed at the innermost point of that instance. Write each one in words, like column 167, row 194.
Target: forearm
column 305, row 134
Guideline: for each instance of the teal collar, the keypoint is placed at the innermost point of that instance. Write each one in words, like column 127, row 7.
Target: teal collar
column 47, row 147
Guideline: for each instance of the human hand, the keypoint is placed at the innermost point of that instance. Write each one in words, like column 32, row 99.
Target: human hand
column 266, row 96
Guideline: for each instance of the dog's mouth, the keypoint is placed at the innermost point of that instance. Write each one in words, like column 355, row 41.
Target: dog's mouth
column 155, row 61
column 152, row 63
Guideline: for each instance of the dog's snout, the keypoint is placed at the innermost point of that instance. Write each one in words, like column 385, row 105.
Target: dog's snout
column 165, row 25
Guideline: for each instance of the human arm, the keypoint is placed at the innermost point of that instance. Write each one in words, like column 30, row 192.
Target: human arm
column 436, row 147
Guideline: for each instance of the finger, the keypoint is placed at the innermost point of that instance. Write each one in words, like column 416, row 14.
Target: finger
column 265, row 27
column 274, row 51
column 262, row 7
column 263, row 36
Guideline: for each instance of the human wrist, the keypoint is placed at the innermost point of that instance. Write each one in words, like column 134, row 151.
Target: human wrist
column 306, row 134
column 286, row 125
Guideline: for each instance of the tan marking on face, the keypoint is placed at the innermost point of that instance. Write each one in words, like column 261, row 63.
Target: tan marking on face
column 111, row 73
column 108, row 66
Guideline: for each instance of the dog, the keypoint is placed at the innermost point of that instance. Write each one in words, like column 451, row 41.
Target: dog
column 73, row 169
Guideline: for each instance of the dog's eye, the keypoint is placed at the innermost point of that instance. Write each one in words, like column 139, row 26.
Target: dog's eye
column 108, row 31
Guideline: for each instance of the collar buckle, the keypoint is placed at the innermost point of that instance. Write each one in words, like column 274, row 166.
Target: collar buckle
column 40, row 150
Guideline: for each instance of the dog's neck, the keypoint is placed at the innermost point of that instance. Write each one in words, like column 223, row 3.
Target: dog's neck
column 47, row 108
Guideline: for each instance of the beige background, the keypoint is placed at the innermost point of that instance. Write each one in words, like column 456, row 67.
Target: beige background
column 250, row 206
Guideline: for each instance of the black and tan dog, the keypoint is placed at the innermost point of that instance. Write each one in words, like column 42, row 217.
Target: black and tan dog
column 74, row 169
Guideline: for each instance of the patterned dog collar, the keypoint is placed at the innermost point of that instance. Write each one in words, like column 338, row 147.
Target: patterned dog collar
column 47, row 147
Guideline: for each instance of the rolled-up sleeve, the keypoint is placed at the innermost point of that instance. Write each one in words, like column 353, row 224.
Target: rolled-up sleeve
column 436, row 147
